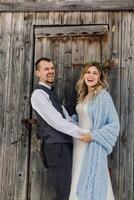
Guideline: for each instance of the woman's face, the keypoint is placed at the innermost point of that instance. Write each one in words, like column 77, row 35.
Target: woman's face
column 92, row 76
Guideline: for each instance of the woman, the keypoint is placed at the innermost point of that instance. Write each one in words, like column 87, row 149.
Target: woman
column 96, row 112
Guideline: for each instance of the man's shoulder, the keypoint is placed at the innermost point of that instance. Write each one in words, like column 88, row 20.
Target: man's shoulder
column 38, row 92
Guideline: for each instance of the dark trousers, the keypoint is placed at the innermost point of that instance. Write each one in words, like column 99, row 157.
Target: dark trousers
column 59, row 160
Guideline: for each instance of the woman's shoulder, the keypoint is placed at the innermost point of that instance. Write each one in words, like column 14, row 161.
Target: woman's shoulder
column 105, row 95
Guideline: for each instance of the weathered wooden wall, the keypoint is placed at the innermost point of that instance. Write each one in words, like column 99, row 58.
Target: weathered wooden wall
column 21, row 172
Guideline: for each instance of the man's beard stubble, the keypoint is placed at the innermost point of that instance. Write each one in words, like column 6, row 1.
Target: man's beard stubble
column 50, row 82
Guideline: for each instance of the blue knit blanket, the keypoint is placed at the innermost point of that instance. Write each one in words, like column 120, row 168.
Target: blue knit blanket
column 93, row 181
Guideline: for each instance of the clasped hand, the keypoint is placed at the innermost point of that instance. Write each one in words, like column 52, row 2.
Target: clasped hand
column 86, row 137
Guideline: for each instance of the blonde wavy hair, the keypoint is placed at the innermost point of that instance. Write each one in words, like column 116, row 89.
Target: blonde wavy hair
column 82, row 88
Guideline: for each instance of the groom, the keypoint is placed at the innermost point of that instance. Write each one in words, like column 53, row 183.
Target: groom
column 55, row 128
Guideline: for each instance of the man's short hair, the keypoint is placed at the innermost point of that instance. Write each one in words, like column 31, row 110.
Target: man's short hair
column 41, row 59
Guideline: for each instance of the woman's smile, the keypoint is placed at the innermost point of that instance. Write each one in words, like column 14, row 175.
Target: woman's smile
column 92, row 76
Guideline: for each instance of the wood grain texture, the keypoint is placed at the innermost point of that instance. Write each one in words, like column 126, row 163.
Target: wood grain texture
column 57, row 31
column 126, row 150
column 67, row 6
column 22, row 175
column 114, row 44
column 7, row 150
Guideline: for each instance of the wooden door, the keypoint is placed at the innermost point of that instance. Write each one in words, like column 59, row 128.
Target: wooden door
column 69, row 47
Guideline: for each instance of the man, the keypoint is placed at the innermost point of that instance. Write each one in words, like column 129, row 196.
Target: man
column 54, row 128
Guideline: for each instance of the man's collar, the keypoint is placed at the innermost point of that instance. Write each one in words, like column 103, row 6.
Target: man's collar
column 41, row 83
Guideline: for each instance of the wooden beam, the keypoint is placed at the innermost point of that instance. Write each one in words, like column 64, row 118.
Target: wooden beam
column 70, row 30
column 71, row 6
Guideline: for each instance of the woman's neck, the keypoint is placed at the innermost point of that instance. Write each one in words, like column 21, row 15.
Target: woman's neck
column 91, row 90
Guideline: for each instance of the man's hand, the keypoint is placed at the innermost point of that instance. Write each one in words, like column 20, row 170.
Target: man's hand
column 86, row 137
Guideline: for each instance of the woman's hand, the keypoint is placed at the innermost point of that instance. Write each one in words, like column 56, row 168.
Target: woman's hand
column 86, row 137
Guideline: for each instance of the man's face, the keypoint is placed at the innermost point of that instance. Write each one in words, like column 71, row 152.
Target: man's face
column 46, row 72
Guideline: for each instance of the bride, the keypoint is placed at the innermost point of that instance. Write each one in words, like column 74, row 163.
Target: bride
column 96, row 112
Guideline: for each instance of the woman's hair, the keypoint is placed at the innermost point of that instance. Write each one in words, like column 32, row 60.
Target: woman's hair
column 82, row 88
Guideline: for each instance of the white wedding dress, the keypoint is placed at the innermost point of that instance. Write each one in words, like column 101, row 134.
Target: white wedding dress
column 78, row 153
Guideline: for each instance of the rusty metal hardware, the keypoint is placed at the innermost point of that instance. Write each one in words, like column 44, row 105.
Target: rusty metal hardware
column 29, row 122
column 36, row 142
column 39, row 146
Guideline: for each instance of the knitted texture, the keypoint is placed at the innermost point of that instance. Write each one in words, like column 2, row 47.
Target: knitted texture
column 93, row 180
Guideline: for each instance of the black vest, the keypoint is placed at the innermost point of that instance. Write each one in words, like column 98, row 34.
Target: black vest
column 44, row 130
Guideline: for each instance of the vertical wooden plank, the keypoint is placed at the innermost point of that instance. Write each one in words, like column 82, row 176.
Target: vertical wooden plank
column 72, row 72
column 105, row 47
column 25, row 93
column 86, row 18
column 114, row 46
column 48, row 48
column 56, row 58
column 77, row 64
column 16, row 104
column 126, row 140
column 1, row 105
column 67, row 67
column 55, row 18
column 71, row 18
column 92, row 49
column 42, row 18
column 100, row 17
column 40, row 49
column 13, row 177
column 130, row 142
column 68, row 52
column 18, row 138
column 6, row 149
column 60, row 66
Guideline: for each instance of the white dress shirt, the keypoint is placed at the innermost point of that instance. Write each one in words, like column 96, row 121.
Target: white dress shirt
column 43, row 106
